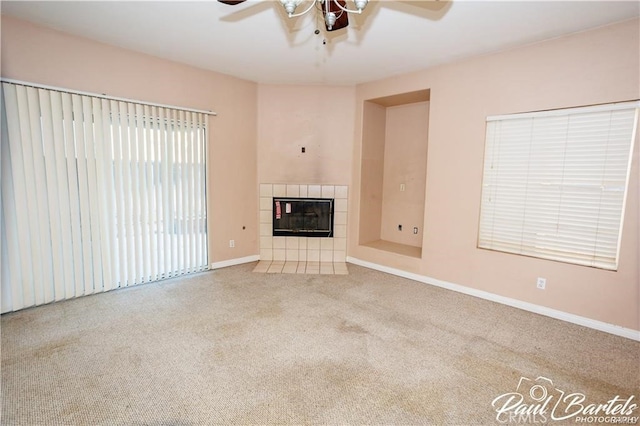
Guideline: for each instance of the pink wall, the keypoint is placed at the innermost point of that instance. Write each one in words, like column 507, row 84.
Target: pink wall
column 587, row 68
column 372, row 172
column 319, row 118
column 35, row 54
column 405, row 162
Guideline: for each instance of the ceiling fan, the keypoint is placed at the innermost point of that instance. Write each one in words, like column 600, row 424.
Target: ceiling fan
column 335, row 12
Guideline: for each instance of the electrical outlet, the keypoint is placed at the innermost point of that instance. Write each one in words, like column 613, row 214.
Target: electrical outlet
column 402, row 187
column 399, row 227
column 232, row 243
column 415, row 229
column 541, row 283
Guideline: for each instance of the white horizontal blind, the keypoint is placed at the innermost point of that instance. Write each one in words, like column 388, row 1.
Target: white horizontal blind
column 97, row 194
column 555, row 182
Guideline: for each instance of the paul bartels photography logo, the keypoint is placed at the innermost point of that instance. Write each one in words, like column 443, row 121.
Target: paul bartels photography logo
column 539, row 401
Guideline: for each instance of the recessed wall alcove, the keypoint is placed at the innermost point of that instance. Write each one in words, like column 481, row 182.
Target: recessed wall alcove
column 393, row 172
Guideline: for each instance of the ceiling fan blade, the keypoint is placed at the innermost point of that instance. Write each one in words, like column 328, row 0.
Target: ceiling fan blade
column 238, row 13
column 342, row 17
column 232, row 2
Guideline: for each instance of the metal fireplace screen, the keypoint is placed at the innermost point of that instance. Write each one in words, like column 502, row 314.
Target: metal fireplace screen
column 303, row 217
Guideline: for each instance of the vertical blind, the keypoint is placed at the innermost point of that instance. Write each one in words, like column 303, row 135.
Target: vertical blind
column 555, row 183
column 97, row 194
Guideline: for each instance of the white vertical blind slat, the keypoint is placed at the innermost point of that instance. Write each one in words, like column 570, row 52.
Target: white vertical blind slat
column 204, row 178
column 117, row 123
column 127, row 123
column 193, row 193
column 134, row 165
column 6, row 302
column 156, row 193
column 190, row 189
column 104, row 184
column 151, row 258
column 43, row 288
column 92, row 181
column 84, row 286
column 167, row 200
column 143, row 160
column 75, row 287
column 62, row 191
column 197, row 187
column 13, row 248
column 194, row 190
column 31, row 293
column 52, row 159
column 5, row 164
column 185, row 166
column 177, row 189
column 173, row 143
column 31, row 296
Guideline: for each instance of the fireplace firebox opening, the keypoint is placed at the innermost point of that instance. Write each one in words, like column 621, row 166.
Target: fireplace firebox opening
column 303, row 217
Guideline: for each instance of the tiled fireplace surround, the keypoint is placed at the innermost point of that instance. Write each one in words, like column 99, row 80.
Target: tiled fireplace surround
column 303, row 254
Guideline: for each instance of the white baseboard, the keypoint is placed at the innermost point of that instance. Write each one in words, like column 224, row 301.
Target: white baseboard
column 232, row 262
column 542, row 310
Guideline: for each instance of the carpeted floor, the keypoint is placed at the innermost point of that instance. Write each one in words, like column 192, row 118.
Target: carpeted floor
column 236, row 347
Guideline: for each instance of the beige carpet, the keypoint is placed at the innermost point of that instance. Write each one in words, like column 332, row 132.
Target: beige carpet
column 236, row 347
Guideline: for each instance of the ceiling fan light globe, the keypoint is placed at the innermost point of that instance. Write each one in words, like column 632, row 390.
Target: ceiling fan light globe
column 330, row 19
column 361, row 4
column 290, row 5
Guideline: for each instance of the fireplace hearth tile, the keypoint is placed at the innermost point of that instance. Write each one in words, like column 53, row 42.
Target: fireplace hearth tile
column 310, row 268
column 262, row 266
column 275, row 268
column 326, row 268
column 290, row 267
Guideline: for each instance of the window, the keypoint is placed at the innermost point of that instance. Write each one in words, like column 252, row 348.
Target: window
column 554, row 183
column 97, row 194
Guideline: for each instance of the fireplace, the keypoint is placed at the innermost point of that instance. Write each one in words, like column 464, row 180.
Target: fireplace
column 296, row 247
column 302, row 217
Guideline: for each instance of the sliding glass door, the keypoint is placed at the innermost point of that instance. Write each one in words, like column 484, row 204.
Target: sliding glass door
column 97, row 194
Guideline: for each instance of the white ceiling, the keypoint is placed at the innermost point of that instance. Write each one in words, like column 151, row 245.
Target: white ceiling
column 256, row 40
